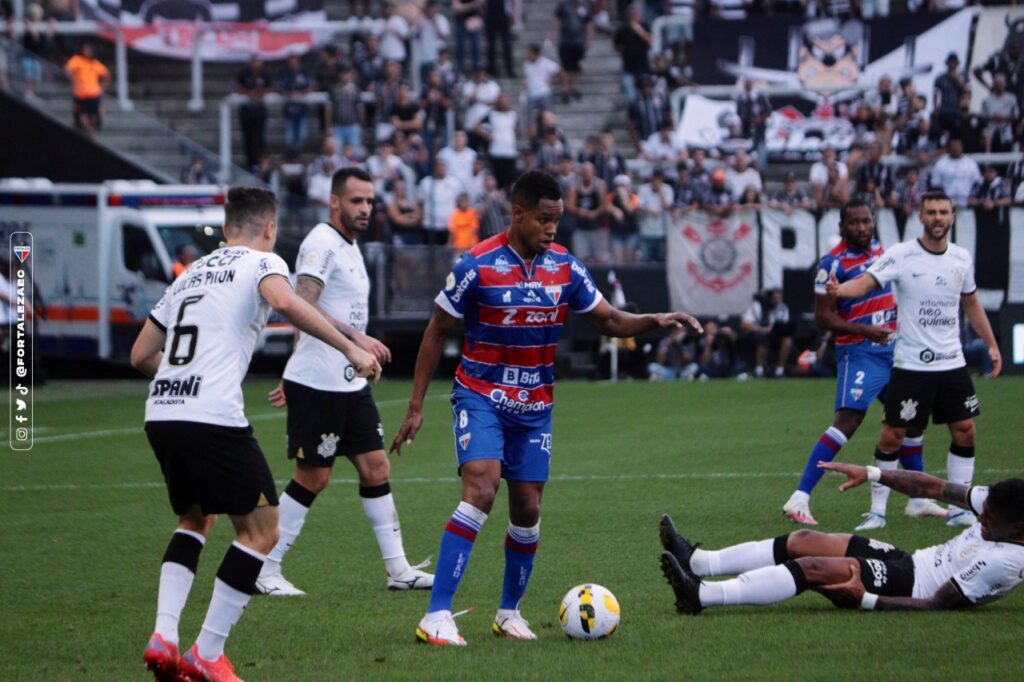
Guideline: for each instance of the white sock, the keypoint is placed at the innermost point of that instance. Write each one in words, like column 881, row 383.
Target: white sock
column 226, row 607
column 959, row 470
column 384, row 519
column 879, row 492
column 175, row 584
column 799, row 497
column 766, row 585
column 733, row 560
column 291, row 518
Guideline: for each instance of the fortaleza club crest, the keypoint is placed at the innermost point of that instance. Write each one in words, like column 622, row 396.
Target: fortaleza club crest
column 716, row 266
column 464, row 440
column 328, row 445
column 22, row 252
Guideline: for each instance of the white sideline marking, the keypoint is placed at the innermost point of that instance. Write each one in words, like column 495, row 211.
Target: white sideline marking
column 280, row 414
column 451, row 479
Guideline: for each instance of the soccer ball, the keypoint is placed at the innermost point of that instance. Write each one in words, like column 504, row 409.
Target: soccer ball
column 589, row 611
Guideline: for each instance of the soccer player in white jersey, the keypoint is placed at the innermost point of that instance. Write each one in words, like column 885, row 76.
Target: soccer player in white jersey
column 932, row 280
column 197, row 344
column 984, row 562
column 330, row 410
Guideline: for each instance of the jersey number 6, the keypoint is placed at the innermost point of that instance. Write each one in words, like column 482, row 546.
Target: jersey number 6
column 181, row 331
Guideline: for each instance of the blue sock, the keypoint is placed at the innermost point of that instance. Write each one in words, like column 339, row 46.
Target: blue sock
column 825, row 450
column 452, row 559
column 520, row 550
column 912, row 454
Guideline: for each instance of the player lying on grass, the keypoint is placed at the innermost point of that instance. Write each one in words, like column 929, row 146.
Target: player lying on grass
column 982, row 563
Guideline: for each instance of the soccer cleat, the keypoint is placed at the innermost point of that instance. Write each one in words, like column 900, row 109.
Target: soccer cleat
column 198, row 669
column 798, row 512
column 413, row 578
column 509, row 623
column 276, row 585
column 163, row 660
column 684, row 583
column 960, row 517
column 919, row 507
column 872, row 521
column 681, row 548
column 439, row 628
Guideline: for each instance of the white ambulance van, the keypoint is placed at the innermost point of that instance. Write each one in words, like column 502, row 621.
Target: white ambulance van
column 102, row 256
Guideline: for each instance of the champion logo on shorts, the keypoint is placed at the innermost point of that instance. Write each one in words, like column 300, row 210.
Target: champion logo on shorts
column 328, row 445
column 908, row 409
column 464, row 440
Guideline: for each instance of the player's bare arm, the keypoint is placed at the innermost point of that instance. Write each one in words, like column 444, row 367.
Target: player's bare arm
column 827, row 318
column 910, row 483
column 440, row 326
column 850, row 594
column 310, row 289
column 614, row 322
column 277, row 291
column 148, row 350
column 975, row 313
column 852, row 288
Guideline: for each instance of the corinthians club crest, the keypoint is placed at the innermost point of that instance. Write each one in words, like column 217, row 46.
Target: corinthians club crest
column 328, row 445
column 717, row 266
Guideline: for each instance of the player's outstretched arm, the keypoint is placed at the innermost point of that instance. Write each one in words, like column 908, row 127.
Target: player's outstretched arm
column 614, row 322
column 277, row 291
column 148, row 350
column 979, row 322
column 851, row 288
column 440, row 326
column 910, row 483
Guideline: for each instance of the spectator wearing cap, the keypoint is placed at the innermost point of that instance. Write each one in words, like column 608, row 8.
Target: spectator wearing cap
column 586, row 202
column 754, row 109
column 621, row 206
column 992, row 193
column 790, row 196
column 1002, row 110
column 948, row 89
column 955, row 173
column 654, row 208
column 633, row 41
column 538, row 71
column 742, row 175
column 648, row 114
column 664, row 147
column 717, row 197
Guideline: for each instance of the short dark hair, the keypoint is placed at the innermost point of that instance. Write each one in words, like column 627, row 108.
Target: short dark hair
column 1007, row 497
column 856, row 202
column 339, row 179
column 935, row 195
column 532, row 186
column 249, row 207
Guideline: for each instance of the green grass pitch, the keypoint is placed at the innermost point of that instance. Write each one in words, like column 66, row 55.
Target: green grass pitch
column 86, row 520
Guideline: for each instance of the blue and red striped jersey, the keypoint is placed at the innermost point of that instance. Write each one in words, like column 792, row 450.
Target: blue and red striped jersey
column 877, row 309
column 513, row 312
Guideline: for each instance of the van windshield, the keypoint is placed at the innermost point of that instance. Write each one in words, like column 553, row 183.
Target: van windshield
column 205, row 238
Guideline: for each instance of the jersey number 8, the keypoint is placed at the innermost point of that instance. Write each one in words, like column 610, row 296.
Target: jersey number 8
column 184, row 331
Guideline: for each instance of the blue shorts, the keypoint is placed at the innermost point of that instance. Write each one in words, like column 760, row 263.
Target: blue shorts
column 862, row 376
column 482, row 432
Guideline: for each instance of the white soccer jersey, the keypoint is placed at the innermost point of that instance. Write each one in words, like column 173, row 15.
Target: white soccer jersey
column 213, row 314
column 338, row 265
column 928, row 287
column 980, row 569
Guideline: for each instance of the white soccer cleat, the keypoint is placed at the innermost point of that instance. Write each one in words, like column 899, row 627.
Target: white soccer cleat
column 412, row 579
column 919, row 507
column 960, row 517
column 439, row 628
column 274, row 584
column 872, row 521
column 509, row 623
column 799, row 512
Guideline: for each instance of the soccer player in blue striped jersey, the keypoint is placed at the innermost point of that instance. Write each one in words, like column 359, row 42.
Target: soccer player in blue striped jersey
column 512, row 293
column 864, row 329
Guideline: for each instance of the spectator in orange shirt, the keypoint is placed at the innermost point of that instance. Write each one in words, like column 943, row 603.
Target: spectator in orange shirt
column 464, row 225
column 88, row 79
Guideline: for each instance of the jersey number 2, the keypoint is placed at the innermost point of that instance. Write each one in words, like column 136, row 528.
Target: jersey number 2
column 184, row 331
